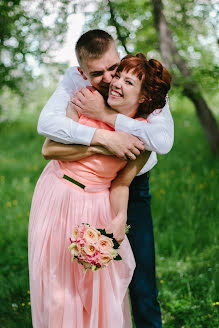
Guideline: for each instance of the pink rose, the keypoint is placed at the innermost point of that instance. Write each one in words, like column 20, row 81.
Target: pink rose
column 81, row 229
column 95, row 259
column 89, row 249
column 74, row 234
column 91, row 235
column 105, row 244
column 80, row 243
column 105, row 259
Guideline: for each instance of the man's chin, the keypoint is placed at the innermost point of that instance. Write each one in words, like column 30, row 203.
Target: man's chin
column 104, row 91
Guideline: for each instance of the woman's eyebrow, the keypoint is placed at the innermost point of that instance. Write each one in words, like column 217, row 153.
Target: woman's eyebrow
column 133, row 80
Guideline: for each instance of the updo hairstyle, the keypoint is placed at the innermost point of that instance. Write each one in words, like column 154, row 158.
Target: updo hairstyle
column 155, row 81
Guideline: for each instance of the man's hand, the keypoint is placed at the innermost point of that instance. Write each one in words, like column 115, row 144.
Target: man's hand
column 89, row 102
column 121, row 144
column 118, row 227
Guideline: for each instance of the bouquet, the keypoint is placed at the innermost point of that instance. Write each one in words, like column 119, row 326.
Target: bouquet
column 93, row 248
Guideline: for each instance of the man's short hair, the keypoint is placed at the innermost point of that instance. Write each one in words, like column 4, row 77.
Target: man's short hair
column 92, row 45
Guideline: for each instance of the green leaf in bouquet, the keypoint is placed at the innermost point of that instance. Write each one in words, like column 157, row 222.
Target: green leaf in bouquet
column 104, row 233
column 117, row 258
column 127, row 228
column 116, row 244
column 70, row 247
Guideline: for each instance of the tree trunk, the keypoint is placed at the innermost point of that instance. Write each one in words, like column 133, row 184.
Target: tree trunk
column 191, row 89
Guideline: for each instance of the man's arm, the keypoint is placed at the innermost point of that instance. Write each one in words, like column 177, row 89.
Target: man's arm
column 157, row 135
column 54, row 124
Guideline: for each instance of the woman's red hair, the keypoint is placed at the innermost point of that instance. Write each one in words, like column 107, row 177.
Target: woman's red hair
column 155, row 81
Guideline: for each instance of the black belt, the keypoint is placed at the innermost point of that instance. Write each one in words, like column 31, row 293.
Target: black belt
column 66, row 177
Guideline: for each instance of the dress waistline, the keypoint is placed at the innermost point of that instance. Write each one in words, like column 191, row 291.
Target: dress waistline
column 59, row 172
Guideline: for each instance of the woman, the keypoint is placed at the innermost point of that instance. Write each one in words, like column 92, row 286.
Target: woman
column 62, row 295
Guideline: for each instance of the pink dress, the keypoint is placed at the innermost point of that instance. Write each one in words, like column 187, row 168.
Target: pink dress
column 62, row 294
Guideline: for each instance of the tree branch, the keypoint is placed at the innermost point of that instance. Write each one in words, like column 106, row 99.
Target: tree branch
column 121, row 38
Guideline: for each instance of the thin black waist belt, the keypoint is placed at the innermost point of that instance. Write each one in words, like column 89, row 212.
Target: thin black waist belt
column 66, row 177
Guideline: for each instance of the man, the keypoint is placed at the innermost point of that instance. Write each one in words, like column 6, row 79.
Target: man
column 98, row 59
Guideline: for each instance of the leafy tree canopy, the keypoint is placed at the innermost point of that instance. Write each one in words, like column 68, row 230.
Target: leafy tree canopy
column 30, row 31
column 193, row 23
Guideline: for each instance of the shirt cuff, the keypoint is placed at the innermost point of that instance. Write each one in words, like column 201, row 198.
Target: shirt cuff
column 124, row 123
column 84, row 135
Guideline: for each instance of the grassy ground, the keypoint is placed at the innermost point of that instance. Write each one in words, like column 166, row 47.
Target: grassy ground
column 184, row 189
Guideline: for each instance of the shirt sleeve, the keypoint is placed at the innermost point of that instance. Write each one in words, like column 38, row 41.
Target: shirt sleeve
column 157, row 134
column 53, row 122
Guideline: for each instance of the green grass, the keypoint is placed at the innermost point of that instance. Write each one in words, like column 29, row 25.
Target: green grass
column 184, row 187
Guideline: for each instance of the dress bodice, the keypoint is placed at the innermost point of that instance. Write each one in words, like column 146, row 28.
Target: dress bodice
column 96, row 169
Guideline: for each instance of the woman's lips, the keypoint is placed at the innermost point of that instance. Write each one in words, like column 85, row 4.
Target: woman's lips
column 116, row 94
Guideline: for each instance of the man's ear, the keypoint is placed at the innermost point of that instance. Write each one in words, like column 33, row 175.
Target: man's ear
column 82, row 73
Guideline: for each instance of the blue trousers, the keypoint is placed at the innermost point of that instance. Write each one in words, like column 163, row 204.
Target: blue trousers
column 143, row 291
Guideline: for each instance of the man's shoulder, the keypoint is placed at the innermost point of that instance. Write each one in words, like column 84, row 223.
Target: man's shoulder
column 73, row 71
column 73, row 81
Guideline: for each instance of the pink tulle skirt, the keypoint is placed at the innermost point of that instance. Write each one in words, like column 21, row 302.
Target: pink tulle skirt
column 62, row 294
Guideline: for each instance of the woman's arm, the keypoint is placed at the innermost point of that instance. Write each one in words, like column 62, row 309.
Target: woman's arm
column 56, row 150
column 119, row 195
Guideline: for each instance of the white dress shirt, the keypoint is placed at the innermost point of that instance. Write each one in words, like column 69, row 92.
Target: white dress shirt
column 157, row 134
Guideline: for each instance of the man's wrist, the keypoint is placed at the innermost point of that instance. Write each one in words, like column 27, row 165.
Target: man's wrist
column 109, row 116
column 100, row 137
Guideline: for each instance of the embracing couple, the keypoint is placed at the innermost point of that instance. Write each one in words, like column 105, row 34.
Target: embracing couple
column 104, row 124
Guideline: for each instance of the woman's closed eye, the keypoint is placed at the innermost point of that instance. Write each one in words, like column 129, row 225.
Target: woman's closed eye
column 129, row 82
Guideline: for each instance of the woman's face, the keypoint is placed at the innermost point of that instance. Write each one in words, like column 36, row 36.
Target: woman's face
column 125, row 92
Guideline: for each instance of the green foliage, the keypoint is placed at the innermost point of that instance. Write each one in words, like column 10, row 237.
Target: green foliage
column 184, row 203
column 29, row 32
column 193, row 24
column 13, row 105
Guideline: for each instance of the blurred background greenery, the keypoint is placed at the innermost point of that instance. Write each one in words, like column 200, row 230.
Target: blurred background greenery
column 183, row 35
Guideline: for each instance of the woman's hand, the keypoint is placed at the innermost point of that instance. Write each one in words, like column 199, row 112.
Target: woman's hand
column 118, row 227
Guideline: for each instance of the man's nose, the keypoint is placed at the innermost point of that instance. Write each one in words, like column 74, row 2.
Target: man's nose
column 107, row 77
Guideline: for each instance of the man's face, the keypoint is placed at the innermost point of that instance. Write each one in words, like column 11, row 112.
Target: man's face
column 101, row 71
